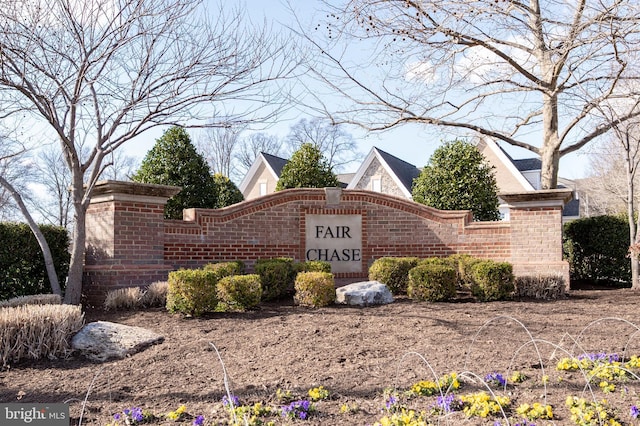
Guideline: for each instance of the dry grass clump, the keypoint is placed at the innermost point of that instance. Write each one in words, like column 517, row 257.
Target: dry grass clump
column 548, row 287
column 155, row 295
column 37, row 331
column 135, row 297
column 36, row 299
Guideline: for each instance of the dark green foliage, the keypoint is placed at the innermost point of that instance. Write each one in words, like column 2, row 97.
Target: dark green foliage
column 239, row 292
column 307, row 168
column 432, row 282
column 173, row 160
column 492, row 280
column 192, row 291
column 393, row 271
column 315, row 289
column 228, row 192
column 458, row 178
column 313, row 266
column 22, row 268
column 597, row 249
column 277, row 277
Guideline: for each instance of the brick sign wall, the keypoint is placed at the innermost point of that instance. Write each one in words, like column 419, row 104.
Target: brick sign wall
column 129, row 242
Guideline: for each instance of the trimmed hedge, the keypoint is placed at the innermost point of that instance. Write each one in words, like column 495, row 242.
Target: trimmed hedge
column 238, row 292
column 313, row 266
column 597, row 250
column 432, row 282
column 277, row 276
column 492, row 280
column 315, row 289
column 225, row 269
column 22, row 268
column 192, row 291
column 393, row 271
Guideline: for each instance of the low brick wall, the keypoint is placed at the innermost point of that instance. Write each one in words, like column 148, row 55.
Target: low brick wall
column 129, row 242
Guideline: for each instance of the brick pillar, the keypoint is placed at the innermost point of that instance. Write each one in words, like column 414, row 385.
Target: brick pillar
column 125, row 237
column 536, row 232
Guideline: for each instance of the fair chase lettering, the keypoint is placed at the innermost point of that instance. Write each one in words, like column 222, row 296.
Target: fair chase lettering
column 336, row 239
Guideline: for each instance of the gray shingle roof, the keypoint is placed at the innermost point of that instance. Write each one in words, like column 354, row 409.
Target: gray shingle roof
column 276, row 163
column 406, row 172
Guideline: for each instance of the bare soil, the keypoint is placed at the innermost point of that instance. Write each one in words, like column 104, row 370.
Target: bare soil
column 355, row 353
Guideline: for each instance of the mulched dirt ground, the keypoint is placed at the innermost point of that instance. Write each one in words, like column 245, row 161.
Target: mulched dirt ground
column 355, row 353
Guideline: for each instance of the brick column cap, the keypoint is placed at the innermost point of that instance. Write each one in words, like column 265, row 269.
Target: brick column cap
column 113, row 190
column 541, row 198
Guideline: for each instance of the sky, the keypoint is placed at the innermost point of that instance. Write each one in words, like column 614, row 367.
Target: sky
column 412, row 143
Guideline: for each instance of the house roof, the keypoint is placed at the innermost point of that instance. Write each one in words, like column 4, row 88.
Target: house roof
column 400, row 171
column 273, row 163
column 527, row 164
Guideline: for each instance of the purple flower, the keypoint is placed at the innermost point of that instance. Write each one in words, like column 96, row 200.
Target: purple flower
column 445, row 403
column 234, row 401
column 199, row 421
column 300, row 409
column 496, row 379
column 635, row 412
column 391, row 402
column 117, row 416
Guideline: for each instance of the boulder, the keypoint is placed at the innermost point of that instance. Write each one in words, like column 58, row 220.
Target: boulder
column 364, row 293
column 103, row 340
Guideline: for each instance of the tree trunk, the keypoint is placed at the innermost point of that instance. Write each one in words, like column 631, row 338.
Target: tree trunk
column 42, row 241
column 73, row 292
column 550, row 150
column 633, row 229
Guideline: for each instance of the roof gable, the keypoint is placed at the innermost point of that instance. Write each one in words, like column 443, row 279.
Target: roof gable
column 273, row 163
column 399, row 170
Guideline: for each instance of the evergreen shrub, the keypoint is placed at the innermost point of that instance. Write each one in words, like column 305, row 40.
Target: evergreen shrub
column 492, row 280
column 277, row 276
column 192, row 291
column 315, row 289
column 432, row 282
column 393, row 271
column 239, row 292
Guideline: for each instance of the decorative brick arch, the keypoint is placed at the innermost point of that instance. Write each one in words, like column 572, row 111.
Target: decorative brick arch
column 129, row 242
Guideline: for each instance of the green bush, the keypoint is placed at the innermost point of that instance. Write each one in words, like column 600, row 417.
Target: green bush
column 192, row 291
column 462, row 264
column 432, row 282
column 393, row 271
column 225, row 269
column 313, row 266
column 239, row 292
column 492, row 280
column 315, row 289
column 277, row 277
column 22, row 268
column 597, row 249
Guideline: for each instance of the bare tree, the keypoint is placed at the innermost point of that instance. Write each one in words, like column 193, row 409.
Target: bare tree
column 336, row 144
column 252, row 145
column 13, row 168
column 55, row 179
column 218, row 146
column 512, row 70
column 100, row 73
column 604, row 190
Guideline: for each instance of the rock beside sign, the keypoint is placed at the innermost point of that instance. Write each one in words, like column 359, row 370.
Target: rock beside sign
column 364, row 293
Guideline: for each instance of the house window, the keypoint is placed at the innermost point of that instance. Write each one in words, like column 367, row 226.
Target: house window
column 376, row 184
column 263, row 188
